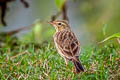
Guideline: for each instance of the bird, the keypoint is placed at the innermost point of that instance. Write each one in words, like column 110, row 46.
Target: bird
column 67, row 44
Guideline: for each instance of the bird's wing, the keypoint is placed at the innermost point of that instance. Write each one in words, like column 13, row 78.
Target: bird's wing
column 68, row 43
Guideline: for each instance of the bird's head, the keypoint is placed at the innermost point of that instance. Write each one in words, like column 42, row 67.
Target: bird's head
column 60, row 24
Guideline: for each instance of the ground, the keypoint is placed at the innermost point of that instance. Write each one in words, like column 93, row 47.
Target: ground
column 33, row 61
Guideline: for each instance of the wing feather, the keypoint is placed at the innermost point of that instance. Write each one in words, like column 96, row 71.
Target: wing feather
column 67, row 43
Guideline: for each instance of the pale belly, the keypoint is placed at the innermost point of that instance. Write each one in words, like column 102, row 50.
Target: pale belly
column 59, row 51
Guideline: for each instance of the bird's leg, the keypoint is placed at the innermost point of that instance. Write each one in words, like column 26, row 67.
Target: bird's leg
column 73, row 70
column 66, row 62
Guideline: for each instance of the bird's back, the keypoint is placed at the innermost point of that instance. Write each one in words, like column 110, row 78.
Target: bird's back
column 67, row 43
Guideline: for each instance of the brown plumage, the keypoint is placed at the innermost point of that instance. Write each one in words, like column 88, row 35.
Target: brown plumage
column 67, row 44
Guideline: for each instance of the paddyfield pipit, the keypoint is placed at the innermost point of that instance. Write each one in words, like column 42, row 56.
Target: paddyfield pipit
column 67, row 44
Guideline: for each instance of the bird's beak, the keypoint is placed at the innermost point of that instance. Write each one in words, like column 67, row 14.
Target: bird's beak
column 50, row 22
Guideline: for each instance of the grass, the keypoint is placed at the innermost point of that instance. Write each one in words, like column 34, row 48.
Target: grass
column 33, row 61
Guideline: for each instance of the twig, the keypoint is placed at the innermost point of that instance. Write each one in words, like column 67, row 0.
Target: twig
column 15, row 31
column 25, row 52
column 63, row 12
column 54, row 17
column 4, row 7
column 10, row 33
column 26, row 4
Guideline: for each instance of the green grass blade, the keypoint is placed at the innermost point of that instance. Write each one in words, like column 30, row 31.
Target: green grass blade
column 116, row 35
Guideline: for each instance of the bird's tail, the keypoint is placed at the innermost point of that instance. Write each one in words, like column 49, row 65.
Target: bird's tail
column 78, row 66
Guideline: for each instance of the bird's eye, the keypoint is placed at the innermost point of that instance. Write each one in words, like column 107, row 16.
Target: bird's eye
column 59, row 23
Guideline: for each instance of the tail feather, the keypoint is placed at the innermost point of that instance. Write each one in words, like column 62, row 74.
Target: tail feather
column 78, row 66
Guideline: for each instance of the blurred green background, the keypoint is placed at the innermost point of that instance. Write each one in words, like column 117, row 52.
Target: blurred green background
column 91, row 20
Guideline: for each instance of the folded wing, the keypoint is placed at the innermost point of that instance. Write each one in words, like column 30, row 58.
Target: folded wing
column 68, row 43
